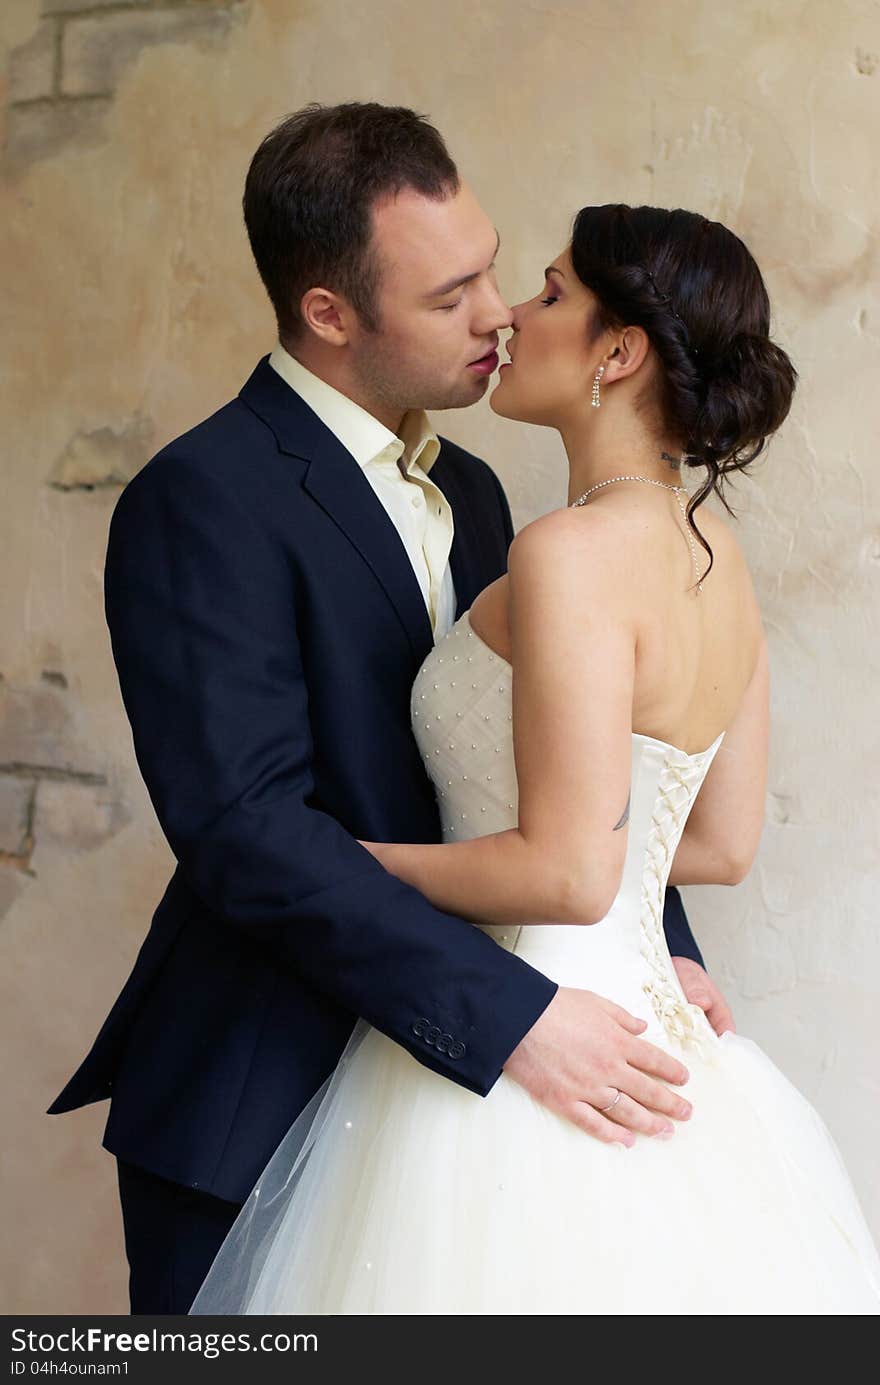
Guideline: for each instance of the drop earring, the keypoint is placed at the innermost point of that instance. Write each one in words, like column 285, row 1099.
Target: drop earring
column 595, row 401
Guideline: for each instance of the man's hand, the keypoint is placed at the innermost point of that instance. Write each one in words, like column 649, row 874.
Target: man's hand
column 583, row 1054
column 701, row 990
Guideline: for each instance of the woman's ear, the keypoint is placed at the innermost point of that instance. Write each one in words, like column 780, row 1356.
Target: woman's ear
column 628, row 353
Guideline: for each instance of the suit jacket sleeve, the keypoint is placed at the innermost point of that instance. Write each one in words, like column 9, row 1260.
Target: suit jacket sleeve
column 679, row 937
column 201, row 605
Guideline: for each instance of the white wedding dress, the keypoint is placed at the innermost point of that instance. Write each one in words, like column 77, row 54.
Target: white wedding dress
column 399, row 1192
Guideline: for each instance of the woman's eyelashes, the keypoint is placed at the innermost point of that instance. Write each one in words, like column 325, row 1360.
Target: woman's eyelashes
column 450, row 307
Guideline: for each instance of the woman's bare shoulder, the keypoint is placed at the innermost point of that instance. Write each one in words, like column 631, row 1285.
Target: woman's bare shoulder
column 565, row 534
column 720, row 532
column 718, row 527
column 730, row 569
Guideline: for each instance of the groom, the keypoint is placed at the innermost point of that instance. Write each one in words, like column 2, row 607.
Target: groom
column 274, row 580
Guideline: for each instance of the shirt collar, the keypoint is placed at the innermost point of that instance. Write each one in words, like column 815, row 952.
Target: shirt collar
column 359, row 432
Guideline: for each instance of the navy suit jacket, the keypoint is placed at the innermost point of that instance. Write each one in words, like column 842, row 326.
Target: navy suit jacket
column 267, row 627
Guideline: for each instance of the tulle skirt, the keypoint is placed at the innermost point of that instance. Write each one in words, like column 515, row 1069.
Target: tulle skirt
column 398, row 1192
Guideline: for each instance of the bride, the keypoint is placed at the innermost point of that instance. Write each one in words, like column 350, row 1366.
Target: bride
column 595, row 727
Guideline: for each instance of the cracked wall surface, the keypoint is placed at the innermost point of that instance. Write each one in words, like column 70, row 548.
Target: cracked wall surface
column 62, row 78
column 132, row 310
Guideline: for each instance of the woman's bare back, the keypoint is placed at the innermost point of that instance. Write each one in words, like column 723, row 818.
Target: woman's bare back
column 696, row 651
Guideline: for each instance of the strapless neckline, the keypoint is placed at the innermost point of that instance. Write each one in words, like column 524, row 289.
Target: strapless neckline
column 696, row 755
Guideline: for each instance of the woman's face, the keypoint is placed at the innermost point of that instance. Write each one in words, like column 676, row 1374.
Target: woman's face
column 553, row 353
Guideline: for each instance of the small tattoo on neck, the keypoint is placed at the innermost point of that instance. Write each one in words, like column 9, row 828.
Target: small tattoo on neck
column 624, row 817
column 674, row 462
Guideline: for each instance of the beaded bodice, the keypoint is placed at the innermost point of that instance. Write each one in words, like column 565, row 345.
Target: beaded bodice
column 462, row 719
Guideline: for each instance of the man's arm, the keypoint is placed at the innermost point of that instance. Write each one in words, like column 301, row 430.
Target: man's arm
column 679, row 938
column 200, row 602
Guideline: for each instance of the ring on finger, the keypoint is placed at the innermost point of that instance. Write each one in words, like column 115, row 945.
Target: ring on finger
column 610, row 1107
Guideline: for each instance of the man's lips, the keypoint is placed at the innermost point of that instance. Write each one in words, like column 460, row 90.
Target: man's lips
column 485, row 364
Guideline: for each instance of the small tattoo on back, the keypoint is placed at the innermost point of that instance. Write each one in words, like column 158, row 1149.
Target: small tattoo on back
column 624, row 817
column 674, row 462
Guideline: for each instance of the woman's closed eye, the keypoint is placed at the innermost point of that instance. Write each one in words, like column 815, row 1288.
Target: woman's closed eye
column 551, row 298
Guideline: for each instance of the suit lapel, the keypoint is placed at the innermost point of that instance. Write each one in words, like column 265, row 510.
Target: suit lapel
column 339, row 486
column 336, row 483
column 464, row 556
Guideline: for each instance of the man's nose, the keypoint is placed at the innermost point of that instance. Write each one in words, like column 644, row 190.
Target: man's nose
column 494, row 313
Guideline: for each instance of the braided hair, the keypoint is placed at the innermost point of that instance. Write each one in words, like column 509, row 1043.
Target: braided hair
column 695, row 289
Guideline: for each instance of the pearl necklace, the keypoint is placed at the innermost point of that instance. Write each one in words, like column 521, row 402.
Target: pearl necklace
column 678, row 492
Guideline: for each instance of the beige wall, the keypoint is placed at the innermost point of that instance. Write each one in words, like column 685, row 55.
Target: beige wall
column 135, row 310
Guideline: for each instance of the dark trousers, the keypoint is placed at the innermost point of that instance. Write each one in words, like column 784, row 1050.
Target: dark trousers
column 172, row 1234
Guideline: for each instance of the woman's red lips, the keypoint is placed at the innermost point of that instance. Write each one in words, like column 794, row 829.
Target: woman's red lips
column 485, row 365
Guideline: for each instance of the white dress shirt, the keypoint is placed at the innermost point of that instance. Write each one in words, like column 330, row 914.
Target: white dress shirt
column 397, row 469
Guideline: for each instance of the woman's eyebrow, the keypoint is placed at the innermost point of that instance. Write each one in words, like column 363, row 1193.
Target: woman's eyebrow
column 465, row 278
column 551, row 270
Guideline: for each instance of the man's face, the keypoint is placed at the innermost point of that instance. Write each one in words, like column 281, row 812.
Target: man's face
column 439, row 311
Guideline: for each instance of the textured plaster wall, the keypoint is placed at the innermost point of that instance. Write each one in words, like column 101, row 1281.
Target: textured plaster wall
column 132, row 310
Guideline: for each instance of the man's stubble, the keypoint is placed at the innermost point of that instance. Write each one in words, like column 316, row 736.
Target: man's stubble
column 396, row 382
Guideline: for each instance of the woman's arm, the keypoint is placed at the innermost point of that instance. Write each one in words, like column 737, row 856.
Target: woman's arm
column 724, row 828
column 573, row 641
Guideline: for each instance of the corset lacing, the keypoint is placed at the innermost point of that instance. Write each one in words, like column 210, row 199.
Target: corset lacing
column 678, row 785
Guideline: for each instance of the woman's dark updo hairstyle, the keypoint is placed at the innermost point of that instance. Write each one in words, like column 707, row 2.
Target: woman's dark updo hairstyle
column 695, row 289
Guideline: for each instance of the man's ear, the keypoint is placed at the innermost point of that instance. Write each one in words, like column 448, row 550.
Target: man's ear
column 628, row 353
column 327, row 315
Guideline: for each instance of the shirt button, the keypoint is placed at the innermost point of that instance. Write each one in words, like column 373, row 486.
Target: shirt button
column 417, row 499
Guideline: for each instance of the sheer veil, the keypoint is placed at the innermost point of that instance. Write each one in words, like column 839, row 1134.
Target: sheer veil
column 240, row 1277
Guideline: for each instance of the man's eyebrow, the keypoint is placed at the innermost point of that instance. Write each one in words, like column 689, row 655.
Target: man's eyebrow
column 465, row 279
column 551, row 269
